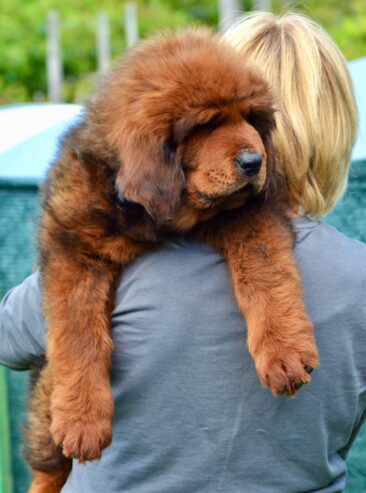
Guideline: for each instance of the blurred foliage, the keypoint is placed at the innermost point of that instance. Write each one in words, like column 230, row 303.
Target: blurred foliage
column 23, row 31
column 345, row 21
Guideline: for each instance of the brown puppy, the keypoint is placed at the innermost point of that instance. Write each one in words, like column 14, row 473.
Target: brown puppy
column 177, row 138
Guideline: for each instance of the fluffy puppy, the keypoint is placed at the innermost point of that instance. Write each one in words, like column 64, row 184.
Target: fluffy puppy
column 177, row 138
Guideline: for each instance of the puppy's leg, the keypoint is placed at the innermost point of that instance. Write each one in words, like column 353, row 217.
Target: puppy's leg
column 49, row 482
column 78, row 301
column 50, row 467
column 258, row 245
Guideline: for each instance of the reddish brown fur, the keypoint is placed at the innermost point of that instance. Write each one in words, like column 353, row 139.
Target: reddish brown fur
column 155, row 156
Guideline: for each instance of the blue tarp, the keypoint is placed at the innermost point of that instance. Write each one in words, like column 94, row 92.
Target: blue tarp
column 358, row 73
column 30, row 134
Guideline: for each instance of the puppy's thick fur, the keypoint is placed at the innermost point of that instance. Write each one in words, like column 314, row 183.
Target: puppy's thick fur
column 164, row 147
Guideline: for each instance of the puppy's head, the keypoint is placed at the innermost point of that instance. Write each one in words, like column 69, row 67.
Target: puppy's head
column 186, row 120
column 225, row 149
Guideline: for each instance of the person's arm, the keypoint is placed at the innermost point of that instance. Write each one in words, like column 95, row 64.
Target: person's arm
column 22, row 327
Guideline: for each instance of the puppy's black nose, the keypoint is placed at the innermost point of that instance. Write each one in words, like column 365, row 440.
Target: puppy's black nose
column 250, row 162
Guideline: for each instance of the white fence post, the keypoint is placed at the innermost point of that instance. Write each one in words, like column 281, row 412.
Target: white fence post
column 228, row 13
column 131, row 24
column 54, row 64
column 286, row 4
column 263, row 5
column 103, row 43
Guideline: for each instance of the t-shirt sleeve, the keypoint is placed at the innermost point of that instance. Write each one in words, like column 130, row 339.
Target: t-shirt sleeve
column 22, row 326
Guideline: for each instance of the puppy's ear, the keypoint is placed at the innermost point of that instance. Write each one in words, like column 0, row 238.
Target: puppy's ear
column 276, row 190
column 272, row 173
column 261, row 117
column 151, row 174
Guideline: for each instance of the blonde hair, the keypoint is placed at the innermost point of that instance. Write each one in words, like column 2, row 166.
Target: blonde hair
column 317, row 117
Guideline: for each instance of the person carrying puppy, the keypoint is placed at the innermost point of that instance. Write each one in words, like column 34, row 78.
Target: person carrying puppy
column 190, row 415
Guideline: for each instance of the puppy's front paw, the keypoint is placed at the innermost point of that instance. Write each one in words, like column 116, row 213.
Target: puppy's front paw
column 285, row 366
column 83, row 438
column 82, row 423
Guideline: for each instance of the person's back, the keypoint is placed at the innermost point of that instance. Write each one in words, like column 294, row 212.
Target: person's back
column 190, row 413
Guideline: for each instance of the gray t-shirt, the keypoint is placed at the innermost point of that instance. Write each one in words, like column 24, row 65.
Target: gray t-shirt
column 191, row 416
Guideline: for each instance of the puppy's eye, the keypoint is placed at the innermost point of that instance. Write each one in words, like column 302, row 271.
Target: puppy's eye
column 262, row 122
column 207, row 127
column 212, row 124
column 252, row 118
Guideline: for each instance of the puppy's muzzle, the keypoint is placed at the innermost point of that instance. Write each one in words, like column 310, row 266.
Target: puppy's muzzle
column 249, row 162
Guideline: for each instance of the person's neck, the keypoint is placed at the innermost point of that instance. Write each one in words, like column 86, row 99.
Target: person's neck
column 294, row 211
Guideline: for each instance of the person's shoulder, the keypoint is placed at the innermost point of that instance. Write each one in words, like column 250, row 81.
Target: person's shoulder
column 177, row 267
column 325, row 245
column 328, row 234
column 348, row 245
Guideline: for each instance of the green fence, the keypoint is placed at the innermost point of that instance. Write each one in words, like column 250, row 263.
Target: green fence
column 350, row 217
column 19, row 210
column 6, row 484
